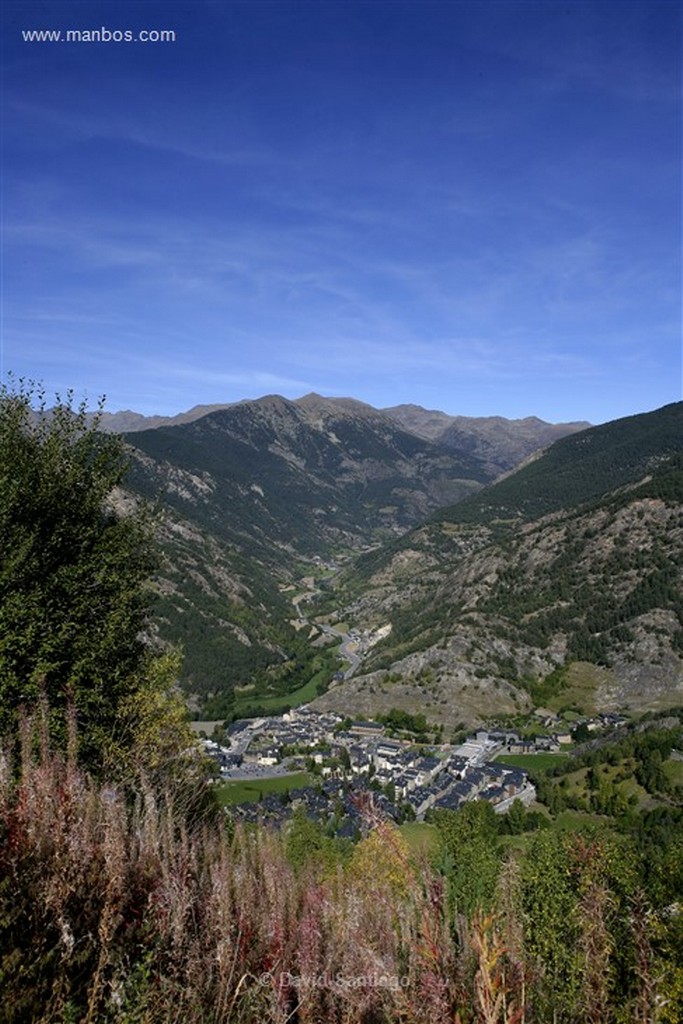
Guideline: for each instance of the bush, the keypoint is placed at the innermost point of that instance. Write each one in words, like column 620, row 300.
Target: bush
column 74, row 584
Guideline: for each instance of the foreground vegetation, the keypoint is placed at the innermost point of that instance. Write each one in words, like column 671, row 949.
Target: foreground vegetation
column 75, row 597
column 135, row 907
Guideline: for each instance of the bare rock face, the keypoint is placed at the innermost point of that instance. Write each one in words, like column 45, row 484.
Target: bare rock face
column 441, row 682
column 508, row 612
column 647, row 672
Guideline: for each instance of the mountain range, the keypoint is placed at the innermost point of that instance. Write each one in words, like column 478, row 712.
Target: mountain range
column 257, row 496
column 251, row 493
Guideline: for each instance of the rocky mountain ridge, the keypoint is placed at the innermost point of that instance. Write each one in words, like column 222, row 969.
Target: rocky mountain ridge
column 517, row 437
column 496, row 602
column 501, row 443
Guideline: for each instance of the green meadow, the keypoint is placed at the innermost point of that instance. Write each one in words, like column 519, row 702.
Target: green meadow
column 249, row 791
column 533, row 762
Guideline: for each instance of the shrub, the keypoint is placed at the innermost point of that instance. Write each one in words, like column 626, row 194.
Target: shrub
column 74, row 585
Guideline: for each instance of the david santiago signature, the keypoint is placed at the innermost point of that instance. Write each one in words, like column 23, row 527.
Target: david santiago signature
column 332, row 981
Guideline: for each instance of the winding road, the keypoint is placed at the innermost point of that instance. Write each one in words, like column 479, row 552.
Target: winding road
column 348, row 648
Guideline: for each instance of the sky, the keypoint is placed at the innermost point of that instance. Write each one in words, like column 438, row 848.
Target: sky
column 470, row 206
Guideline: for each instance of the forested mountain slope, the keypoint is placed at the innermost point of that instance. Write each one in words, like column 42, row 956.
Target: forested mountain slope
column 575, row 558
column 301, row 478
column 251, row 495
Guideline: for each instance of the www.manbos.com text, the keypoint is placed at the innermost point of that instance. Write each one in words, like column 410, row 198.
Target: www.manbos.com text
column 98, row 35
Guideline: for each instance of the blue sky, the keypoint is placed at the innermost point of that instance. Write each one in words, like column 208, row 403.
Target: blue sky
column 475, row 207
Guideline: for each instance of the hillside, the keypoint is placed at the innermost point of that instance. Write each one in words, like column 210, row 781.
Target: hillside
column 260, row 496
column 501, row 443
column 574, row 559
column 304, row 478
column 579, row 467
column 255, row 496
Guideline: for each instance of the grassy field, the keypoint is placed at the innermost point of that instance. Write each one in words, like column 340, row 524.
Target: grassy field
column 420, row 837
column 533, row 762
column 574, row 821
column 206, row 727
column 329, row 620
column 249, row 791
column 279, row 703
column 583, row 680
column 566, row 821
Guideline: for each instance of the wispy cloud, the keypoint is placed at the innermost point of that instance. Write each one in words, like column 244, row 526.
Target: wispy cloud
column 251, row 379
column 484, row 202
column 131, row 127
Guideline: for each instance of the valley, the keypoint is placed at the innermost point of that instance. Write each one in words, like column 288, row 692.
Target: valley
column 324, row 551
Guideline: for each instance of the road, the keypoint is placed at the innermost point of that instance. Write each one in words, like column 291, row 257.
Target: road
column 347, row 648
column 351, row 656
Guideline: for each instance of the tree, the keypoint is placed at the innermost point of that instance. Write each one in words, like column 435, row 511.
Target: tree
column 307, row 845
column 581, row 733
column 550, row 915
column 382, row 862
column 74, row 592
column 515, row 820
column 470, row 838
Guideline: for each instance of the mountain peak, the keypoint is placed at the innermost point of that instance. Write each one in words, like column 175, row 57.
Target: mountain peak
column 318, row 403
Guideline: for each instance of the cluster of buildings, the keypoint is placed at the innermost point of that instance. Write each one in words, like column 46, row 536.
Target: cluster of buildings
column 345, row 809
column 354, row 759
column 603, row 721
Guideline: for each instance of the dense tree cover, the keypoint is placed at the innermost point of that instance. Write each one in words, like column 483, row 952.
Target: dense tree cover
column 472, row 855
column 74, row 594
column 654, row 832
column 592, row 905
column 217, row 658
column 396, row 719
column 228, row 639
column 305, row 675
column 519, row 820
column 573, row 905
column 309, row 847
column 581, row 467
